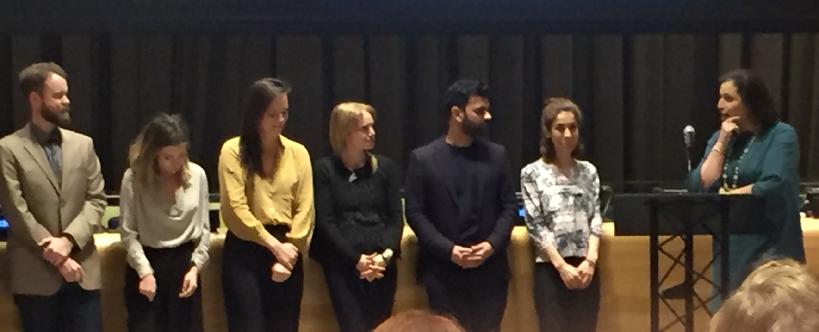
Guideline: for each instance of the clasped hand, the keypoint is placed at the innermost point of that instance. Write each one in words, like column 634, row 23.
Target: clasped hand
column 56, row 250
column 371, row 267
column 576, row 277
column 471, row 257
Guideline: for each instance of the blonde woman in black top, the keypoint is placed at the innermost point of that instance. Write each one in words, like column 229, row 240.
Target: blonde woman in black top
column 358, row 220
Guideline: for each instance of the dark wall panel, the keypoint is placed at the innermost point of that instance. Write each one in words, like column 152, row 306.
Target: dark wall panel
column 637, row 90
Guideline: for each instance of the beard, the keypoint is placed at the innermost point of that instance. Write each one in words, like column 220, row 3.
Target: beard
column 474, row 129
column 60, row 118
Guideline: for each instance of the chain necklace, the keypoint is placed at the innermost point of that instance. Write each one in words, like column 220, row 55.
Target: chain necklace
column 725, row 184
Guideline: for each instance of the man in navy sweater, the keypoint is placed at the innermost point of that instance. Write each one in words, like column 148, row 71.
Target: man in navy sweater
column 461, row 205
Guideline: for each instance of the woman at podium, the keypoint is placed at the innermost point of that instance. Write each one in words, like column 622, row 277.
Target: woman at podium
column 754, row 153
column 560, row 194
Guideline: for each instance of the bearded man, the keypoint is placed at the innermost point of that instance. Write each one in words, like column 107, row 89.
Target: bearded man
column 461, row 205
column 51, row 190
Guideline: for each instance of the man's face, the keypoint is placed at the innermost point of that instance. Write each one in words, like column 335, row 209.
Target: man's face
column 53, row 101
column 475, row 116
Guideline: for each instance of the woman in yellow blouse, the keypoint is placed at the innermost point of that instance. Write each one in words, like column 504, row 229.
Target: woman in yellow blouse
column 266, row 187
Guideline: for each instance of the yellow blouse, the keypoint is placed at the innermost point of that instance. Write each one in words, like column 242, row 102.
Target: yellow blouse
column 286, row 199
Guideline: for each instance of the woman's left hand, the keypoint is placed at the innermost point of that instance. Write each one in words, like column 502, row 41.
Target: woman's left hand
column 190, row 282
column 586, row 271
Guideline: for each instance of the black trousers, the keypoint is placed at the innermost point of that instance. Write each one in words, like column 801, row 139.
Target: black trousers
column 71, row 309
column 476, row 299
column 168, row 312
column 360, row 305
column 561, row 309
column 253, row 301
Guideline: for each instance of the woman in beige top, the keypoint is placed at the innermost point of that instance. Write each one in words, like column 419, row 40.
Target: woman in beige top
column 266, row 188
column 165, row 229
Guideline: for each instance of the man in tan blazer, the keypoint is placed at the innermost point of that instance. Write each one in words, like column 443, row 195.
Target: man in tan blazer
column 51, row 191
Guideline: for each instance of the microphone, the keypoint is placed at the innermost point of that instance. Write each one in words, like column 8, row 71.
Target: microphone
column 688, row 138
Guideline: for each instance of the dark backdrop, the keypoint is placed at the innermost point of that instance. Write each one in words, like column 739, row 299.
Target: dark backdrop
column 640, row 71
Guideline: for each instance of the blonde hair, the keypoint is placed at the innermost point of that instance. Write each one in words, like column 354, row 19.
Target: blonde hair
column 778, row 296
column 344, row 118
column 163, row 130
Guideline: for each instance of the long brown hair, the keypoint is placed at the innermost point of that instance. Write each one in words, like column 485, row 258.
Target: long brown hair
column 259, row 95
column 163, row 130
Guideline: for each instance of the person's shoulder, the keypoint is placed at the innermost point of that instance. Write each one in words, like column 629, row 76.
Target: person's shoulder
column 492, row 145
column 231, row 145
column 782, row 127
column 587, row 166
column 428, row 148
column 70, row 135
column 781, row 132
column 384, row 160
column 385, row 164
column 196, row 170
column 11, row 140
column 494, row 149
column 531, row 168
column 128, row 175
column 325, row 162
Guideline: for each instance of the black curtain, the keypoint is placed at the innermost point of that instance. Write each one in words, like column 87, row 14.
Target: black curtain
column 637, row 89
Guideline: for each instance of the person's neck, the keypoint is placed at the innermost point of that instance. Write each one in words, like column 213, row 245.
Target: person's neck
column 751, row 126
column 353, row 159
column 42, row 124
column 456, row 137
column 564, row 161
column 169, row 182
column 270, row 144
column 168, row 177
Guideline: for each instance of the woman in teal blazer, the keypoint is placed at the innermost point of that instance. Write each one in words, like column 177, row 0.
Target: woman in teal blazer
column 754, row 153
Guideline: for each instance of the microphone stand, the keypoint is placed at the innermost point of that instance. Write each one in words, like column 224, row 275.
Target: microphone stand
column 688, row 157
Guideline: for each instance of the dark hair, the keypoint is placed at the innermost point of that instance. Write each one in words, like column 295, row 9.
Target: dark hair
column 33, row 77
column 459, row 92
column 163, row 130
column 551, row 109
column 755, row 96
column 259, row 96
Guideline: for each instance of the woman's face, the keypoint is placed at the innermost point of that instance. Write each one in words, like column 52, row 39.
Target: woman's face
column 170, row 159
column 565, row 132
column 730, row 102
column 362, row 136
column 272, row 121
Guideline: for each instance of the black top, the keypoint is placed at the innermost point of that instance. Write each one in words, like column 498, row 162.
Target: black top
column 460, row 196
column 357, row 212
column 466, row 165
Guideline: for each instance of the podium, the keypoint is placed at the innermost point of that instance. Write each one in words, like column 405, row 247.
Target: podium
column 681, row 215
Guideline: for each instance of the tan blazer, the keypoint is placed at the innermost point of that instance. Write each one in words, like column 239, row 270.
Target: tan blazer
column 37, row 206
